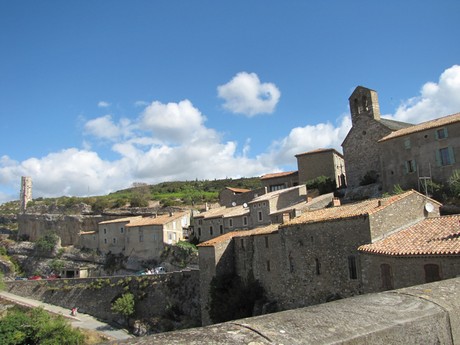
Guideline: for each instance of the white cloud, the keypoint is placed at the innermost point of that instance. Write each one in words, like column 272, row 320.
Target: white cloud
column 170, row 141
column 103, row 104
column 104, row 128
column 246, row 95
column 435, row 99
column 308, row 138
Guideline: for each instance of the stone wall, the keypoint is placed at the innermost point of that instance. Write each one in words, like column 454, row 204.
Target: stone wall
column 424, row 314
column 360, row 149
column 404, row 271
column 67, row 227
column 228, row 197
column 154, row 294
column 420, row 147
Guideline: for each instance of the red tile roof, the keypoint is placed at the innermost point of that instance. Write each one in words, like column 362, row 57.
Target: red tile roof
column 432, row 236
column 362, row 208
column 238, row 190
column 266, row 230
column 442, row 121
column 280, row 174
column 158, row 220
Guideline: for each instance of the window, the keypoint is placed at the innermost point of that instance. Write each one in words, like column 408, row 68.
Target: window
column 268, row 265
column 352, row 270
column 410, row 166
column 121, row 230
column 276, row 187
column 221, row 229
column 245, row 220
column 266, row 241
column 445, row 156
column 260, row 216
column 432, row 273
column 200, row 221
column 199, row 232
column 105, row 241
column 242, row 243
column 386, row 276
column 114, row 240
column 441, row 133
column 105, row 231
column 230, row 222
column 210, row 230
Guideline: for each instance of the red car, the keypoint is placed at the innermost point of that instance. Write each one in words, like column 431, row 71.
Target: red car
column 35, row 278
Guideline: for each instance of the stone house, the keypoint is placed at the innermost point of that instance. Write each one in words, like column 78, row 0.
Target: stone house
column 361, row 150
column 427, row 151
column 281, row 180
column 230, row 197
column 313, row 258
column 141, row 237
column 260, row 211
column 321, row 162
column 424, row 252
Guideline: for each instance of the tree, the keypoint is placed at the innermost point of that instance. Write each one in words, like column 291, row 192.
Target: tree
column 124, row 305
column 36, row 326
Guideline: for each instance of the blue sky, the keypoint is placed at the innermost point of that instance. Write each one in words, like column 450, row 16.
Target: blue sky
column 97, row 95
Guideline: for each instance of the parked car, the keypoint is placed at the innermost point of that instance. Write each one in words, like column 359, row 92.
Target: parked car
column 20, row 278
column 36, row 277
column 159, row 270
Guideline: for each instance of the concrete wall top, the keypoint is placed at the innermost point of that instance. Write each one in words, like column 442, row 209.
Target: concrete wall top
column 425, row 314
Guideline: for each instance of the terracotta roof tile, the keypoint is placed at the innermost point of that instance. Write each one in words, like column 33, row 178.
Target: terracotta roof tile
column 265, row 230
column 432, row 236
column 158, row 220
column 120, row 220
column 442, row 121
column 280, row 174
column 238, row 190
column 362, row 208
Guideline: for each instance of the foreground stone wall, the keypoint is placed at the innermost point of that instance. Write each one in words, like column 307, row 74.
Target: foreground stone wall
column 424, row 314
column 154, row 294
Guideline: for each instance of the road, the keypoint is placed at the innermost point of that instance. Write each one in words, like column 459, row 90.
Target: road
column 83, row 321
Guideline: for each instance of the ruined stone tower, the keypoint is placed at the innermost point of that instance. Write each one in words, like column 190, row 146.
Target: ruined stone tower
column 26, row 192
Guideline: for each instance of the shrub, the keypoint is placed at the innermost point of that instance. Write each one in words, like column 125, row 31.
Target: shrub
column 323, row 184
column 47, row 242
column 124, row 305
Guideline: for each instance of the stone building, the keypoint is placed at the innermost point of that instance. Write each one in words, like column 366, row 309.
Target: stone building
column 427, row 151
column 360, row 147
column 313, row 258
column 230, row 197
column 321, row 162
column 141, row 237
column 262, row 210
column 424, row 252
column 281, row 180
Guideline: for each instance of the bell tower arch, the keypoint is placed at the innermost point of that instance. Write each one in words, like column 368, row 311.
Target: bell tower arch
column 364, row 102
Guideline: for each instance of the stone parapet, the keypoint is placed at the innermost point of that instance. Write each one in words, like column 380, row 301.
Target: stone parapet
column 424, row 314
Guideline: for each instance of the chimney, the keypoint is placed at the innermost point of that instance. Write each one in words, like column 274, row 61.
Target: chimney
column 336, row 202
column 309, row 198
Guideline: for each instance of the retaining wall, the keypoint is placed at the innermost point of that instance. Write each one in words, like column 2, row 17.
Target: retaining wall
column 155, row 295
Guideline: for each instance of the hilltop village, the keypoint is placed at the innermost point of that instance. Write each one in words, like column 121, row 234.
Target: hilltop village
column 341, row 225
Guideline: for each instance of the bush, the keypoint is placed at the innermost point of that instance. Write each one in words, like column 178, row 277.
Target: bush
column 47, row 242
column 323, row 184
column 454, row 184
column 124, row 305
column 36, row 326
column 369, row 178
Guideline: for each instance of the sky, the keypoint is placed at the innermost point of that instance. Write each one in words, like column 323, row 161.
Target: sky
column 98, row 95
